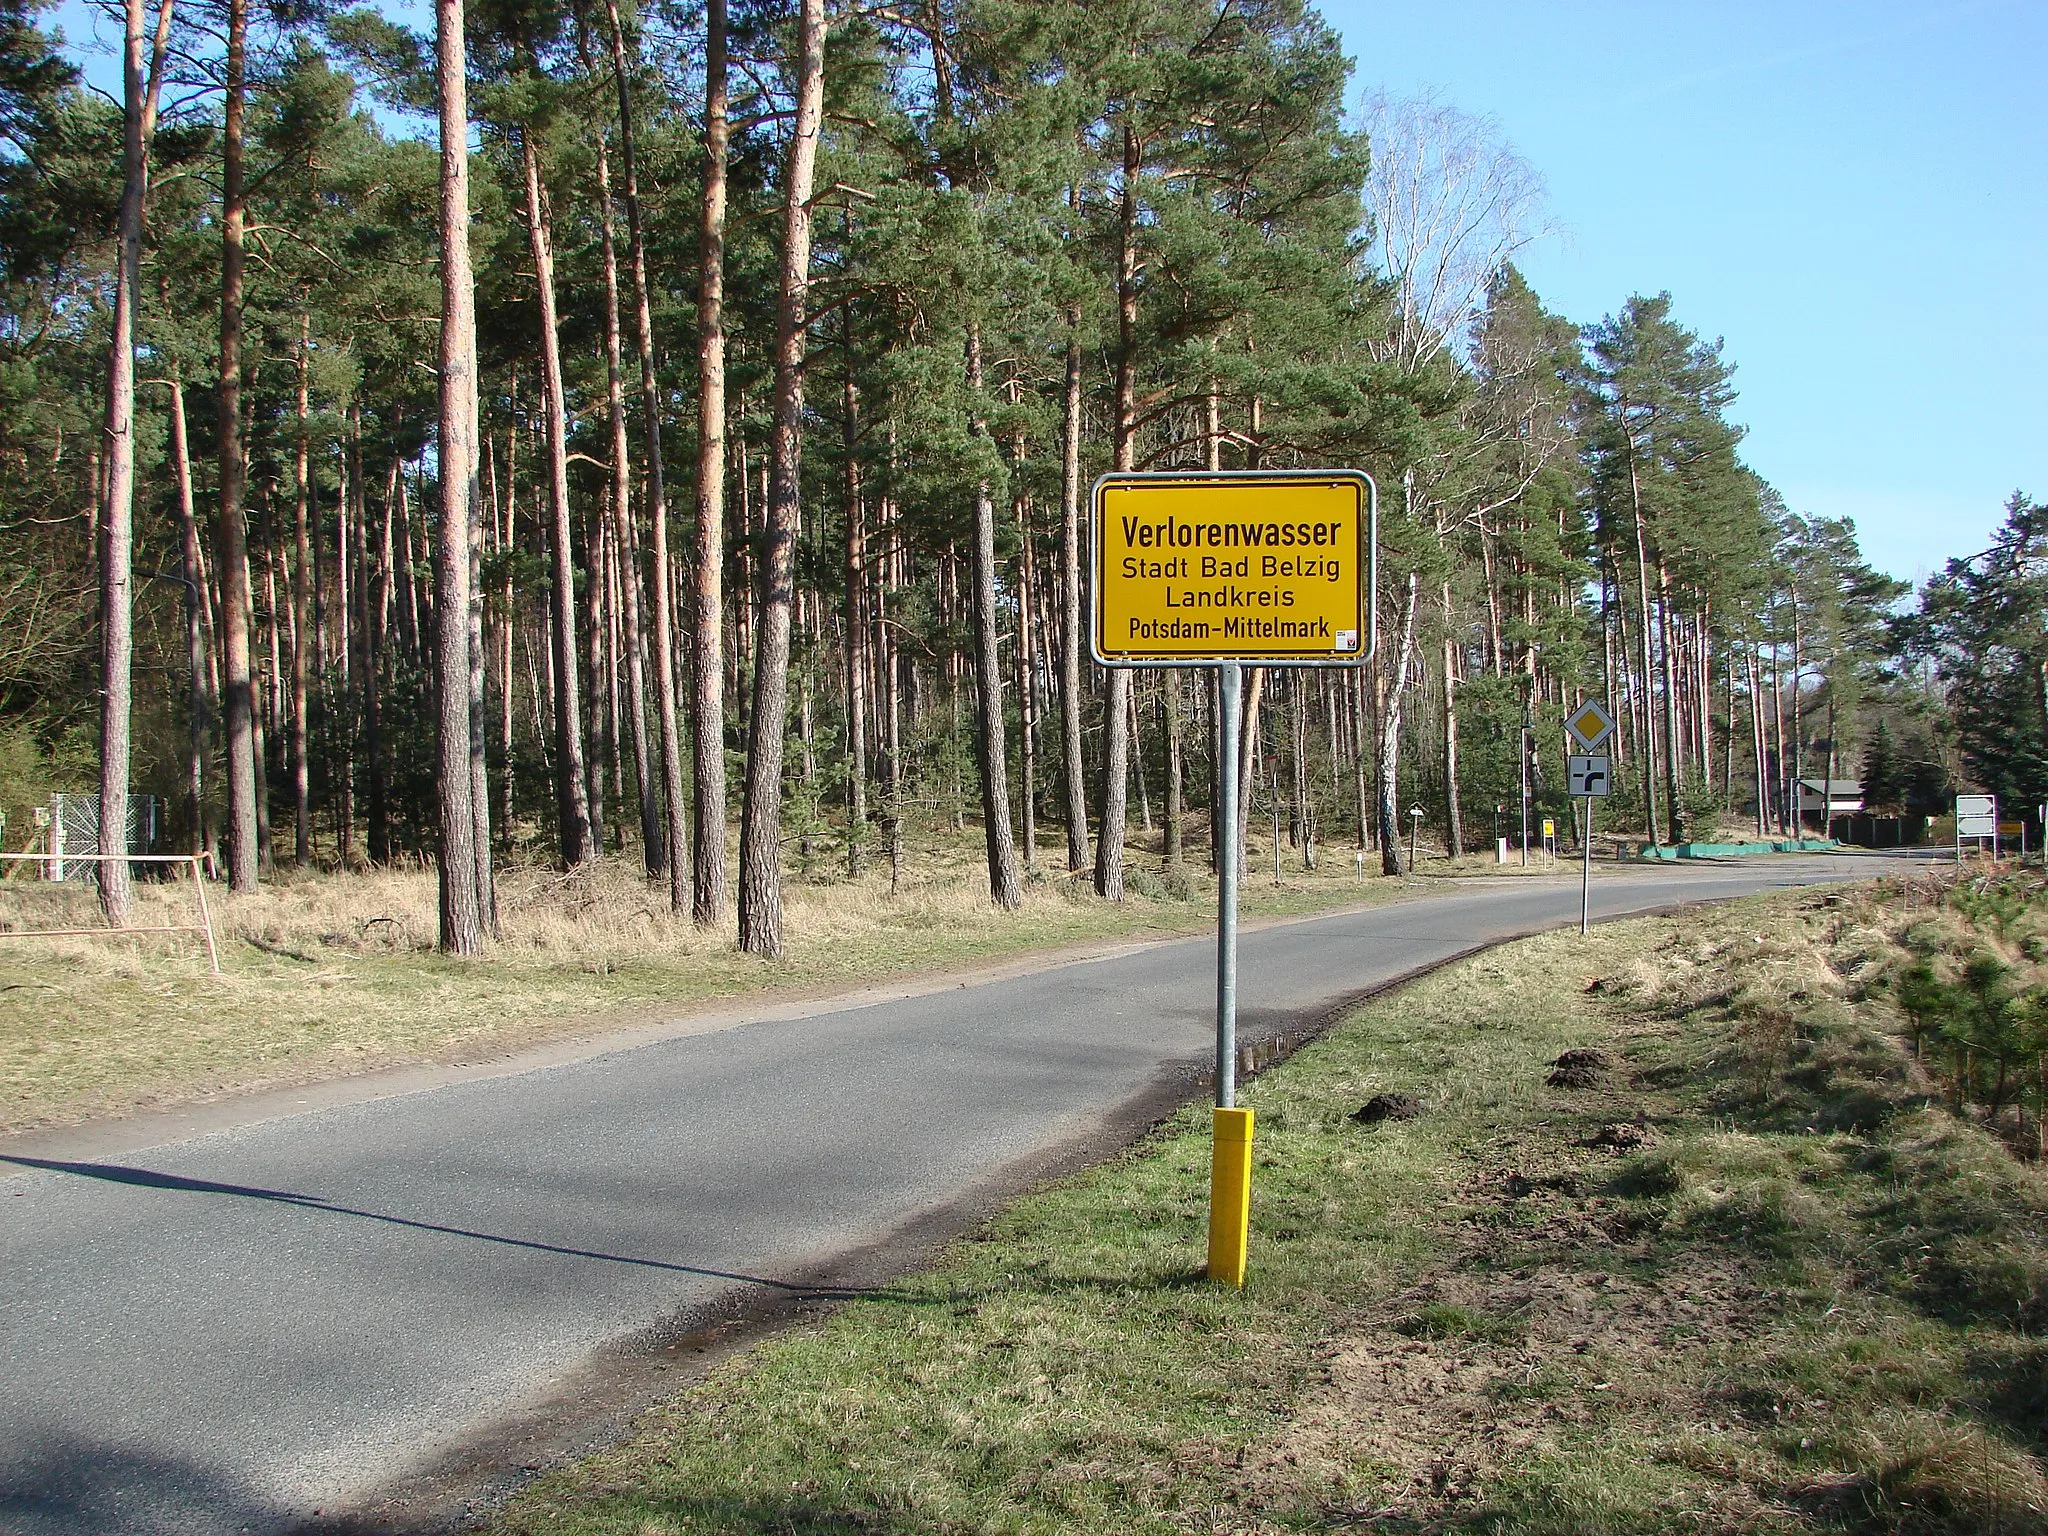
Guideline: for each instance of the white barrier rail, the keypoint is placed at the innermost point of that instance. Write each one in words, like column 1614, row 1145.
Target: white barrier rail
column 191, row 861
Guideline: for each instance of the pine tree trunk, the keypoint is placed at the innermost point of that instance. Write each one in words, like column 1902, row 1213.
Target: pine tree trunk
column 855, row 627
column 194, row 570
column 653, row 839
column 1333, row 714
column 1304, row 803
column 892, row 810
column 508, row 540
column 1116, row 709
column 1798, row 807
column 350, row 542
column 266, row 713
column 117, row 509
column 1646, row 620
column 600, row 740
column 1759, row 742
column 761, row 814
column 1212, row 425
column 301, row 599
column 462, row 915
column 1071, row 754
column 992, row 748
column 479, row 730
column 708, row 718
column 404, row 597
column 1777, row 728
column 572, row 793
column 231, row 535
column 1138, row 759
column 1025, row 661
column 376, row 636
column 1358, row 756
column 1174, row 788
column 1491, row 571
column 1248, row 760
column 1672, row 816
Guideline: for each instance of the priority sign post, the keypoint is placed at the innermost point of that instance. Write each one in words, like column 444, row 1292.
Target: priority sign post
column 1589, row 776
column 1219, row 570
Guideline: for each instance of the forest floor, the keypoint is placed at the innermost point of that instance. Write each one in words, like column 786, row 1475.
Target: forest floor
column 1730, row 1266
column 326, row 974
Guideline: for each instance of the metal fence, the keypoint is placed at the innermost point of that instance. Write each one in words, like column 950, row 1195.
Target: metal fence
column 75, row 834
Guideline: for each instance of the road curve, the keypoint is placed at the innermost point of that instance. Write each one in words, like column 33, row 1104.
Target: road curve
column 232, row 1332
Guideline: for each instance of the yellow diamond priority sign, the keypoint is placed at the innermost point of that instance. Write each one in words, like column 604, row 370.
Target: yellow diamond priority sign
column 1590, row 724
column 1230, row 567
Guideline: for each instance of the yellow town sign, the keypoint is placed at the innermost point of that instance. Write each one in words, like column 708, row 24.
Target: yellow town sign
column 1230, row 567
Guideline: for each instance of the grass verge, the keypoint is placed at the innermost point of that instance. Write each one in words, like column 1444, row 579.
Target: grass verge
column 1750, row 1275
column 327, row 974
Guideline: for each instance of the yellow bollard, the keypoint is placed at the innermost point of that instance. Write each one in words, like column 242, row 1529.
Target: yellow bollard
column 1230, row 1194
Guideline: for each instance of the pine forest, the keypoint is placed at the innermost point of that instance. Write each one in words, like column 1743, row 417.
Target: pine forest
column 558, row 433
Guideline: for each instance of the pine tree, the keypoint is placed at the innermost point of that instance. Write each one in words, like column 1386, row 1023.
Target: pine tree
column 1983, row 623
column 141, row 87
column 761, row 815
column 1885, row 780
column 462, row 904
column 1670, row 500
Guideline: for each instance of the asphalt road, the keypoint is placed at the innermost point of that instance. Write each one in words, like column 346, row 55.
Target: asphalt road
column 226, row 1333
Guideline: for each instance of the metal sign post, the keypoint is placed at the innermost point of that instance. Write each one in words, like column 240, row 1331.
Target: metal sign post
column 1586, row 875
column 1230, row 699
column 1217, row 570
column 1976, row 819
column 1590, row 776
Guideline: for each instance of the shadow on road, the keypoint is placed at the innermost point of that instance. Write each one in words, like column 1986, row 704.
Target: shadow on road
column 150, row 1178
column 57, row 1485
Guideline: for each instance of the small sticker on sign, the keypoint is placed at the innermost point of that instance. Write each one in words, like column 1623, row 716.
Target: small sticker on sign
column 1347, row 639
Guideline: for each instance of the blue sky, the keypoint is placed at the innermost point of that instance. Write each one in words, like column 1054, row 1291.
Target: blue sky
column 1854, row 195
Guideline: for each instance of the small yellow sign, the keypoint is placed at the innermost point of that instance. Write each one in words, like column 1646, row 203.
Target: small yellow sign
column 1227, row 567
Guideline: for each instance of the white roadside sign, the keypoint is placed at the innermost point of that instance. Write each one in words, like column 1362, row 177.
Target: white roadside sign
column 1590, row 775
column 1976, row 815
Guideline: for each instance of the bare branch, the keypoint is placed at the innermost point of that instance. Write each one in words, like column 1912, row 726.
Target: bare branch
column 1451, row 204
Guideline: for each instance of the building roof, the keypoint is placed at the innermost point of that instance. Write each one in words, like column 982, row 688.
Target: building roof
column 1836, row 789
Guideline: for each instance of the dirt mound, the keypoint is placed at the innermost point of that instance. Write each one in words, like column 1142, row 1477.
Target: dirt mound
column 1581, row 1068
column 1387, row 1106
column 1624, row 1136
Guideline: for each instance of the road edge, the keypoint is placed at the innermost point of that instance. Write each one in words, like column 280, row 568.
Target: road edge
column 458, row 1488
